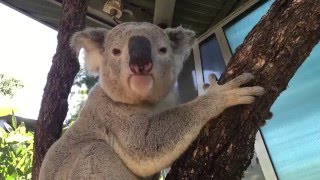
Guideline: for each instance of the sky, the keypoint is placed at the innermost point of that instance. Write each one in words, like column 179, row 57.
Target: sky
column 26, row 51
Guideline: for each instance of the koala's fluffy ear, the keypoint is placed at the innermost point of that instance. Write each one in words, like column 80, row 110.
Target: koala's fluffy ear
column 182, row 40
column 92, row 40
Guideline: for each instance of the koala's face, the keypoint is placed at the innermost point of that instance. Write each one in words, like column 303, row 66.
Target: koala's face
column 137, row 62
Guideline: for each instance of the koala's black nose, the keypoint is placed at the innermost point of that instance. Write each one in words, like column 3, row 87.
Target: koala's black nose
column 140, row 55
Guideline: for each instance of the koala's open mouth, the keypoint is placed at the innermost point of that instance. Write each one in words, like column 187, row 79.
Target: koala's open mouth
column 141, row 84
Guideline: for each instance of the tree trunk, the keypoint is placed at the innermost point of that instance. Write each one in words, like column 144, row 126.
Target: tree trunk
column 65, row 65
column 272, row 51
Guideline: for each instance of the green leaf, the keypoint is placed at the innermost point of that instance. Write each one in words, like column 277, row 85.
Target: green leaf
column 16, row 151
column 20, row 150
column 21, row 130
column 19, row 172
column 14, row 120
column 10, row 178
column 3, row 133
column 11, row 169
column 19, row 138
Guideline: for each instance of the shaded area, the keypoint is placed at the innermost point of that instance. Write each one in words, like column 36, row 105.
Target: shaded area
column 198, row 15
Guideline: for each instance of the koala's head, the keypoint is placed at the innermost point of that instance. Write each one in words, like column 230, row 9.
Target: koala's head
column 136, row 62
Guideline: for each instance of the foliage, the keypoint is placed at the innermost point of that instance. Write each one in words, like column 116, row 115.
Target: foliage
column 9, row 85
column 16, row 151
column 77, row 99
column 83, row 78
column 79, row 93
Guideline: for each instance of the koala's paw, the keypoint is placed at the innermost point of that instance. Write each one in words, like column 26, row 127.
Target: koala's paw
column 231, row 93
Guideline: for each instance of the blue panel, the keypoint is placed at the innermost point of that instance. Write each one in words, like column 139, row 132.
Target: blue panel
column 211, row 58
column 292, row 135
column 238, row 31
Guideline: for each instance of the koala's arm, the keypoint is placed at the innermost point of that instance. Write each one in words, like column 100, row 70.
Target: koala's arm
column 156, row 141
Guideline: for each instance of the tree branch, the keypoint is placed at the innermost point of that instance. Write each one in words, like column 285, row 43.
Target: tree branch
column 272, row 51
column 65, row 65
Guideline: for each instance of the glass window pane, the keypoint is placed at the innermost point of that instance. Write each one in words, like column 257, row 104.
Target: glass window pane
column 211, row 58
column 293, row 133
column 187, row 85
column 237, row 31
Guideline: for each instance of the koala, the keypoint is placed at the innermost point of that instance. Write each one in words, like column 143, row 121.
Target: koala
column 122, row 131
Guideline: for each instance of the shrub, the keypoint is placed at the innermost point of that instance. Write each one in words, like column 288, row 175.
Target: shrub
column 16, row 151
column 9, row 85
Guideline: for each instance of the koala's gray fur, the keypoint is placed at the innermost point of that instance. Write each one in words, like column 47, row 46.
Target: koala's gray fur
column 122, row 132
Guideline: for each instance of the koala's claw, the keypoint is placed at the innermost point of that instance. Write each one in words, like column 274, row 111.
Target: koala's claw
column 248, row 91
column 242, row 95
column 231, row 92
column 240, row 80
column 243, row 100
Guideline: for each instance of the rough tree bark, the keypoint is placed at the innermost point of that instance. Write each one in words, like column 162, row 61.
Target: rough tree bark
column 65, row 65
column 272, row 51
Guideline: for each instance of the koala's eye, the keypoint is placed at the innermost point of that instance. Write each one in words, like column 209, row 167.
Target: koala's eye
column 163, row 50
column 116, row 52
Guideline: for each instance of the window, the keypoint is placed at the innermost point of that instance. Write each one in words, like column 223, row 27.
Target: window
column 211, row 58
column 186, row 85
column 238, row 30
column 292, row 135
